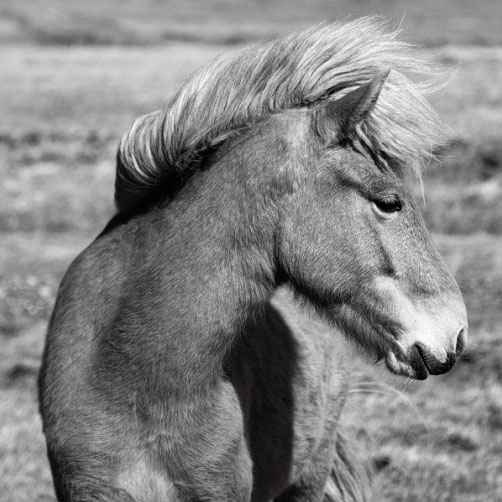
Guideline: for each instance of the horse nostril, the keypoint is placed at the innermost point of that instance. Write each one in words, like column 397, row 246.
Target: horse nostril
column 430, row 361
column 461, row 338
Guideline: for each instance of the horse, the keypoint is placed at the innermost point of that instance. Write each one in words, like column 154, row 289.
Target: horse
column 265, row 215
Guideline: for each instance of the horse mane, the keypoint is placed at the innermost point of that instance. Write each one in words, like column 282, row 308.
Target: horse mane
column 235, row 91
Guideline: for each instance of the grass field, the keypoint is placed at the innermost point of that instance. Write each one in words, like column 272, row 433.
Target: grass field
column 67, row 92
column 147, row 22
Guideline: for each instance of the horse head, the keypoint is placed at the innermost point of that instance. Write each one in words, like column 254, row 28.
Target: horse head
column 354, row 242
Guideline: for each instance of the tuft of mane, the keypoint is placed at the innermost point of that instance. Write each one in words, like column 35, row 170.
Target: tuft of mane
column 235, row 91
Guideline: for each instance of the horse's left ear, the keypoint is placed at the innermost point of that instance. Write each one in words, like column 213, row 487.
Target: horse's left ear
column 338, row 119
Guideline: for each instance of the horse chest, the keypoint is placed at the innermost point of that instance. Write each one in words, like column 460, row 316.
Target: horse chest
column 320, row 387
column 289, row 374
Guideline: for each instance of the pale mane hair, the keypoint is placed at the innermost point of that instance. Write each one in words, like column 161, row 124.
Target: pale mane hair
column 235, row 91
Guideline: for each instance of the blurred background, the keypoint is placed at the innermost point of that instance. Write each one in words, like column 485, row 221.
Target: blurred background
column 73, row 75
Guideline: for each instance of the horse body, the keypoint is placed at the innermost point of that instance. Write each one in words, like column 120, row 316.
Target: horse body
column 162, row 349
column 194, row 352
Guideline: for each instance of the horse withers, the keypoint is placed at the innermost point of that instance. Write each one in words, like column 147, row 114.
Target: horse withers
column 194, row 351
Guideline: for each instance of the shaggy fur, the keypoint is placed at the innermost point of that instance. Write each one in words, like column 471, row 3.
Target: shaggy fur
column 350, row 477
column 238, row 90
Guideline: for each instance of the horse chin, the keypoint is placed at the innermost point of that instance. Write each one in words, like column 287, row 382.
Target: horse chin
column 413, row 367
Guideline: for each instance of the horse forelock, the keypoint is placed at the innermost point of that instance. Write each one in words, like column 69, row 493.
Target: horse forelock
column 235, row 91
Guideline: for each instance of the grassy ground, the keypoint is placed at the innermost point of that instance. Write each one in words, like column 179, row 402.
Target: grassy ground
column 63, row 109
column 69, row 22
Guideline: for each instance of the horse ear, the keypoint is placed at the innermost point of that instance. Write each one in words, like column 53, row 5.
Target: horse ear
column 341, row 117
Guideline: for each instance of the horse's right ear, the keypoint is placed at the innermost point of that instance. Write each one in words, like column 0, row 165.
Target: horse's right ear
column 337, row 120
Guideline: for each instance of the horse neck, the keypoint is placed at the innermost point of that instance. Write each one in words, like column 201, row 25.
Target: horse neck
column 201, row 267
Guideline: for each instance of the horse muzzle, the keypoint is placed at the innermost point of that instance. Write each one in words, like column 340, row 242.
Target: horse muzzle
column 419, row 361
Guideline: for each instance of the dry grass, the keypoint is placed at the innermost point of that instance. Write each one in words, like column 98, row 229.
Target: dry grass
column 63, row 110
column 98, row 22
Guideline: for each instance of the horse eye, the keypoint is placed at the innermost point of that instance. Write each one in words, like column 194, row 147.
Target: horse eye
column 388, row 205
